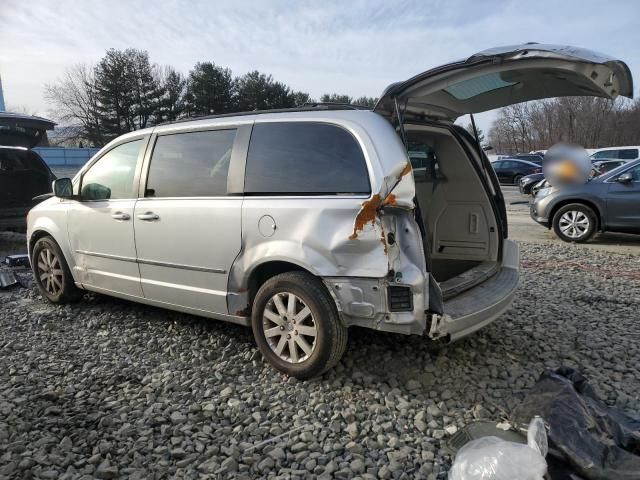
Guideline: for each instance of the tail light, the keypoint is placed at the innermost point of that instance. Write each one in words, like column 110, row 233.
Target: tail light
column 537, row 170
column 400, row 299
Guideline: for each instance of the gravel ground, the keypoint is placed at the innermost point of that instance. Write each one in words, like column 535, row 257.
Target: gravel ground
column 110, row 389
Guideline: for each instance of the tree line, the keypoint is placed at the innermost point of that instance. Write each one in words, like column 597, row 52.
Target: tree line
column 586, row 121
column 125, row 91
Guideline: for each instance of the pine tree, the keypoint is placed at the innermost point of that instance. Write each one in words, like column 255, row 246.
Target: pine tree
column 209, row 90
column 258, row 91
column 128, row 91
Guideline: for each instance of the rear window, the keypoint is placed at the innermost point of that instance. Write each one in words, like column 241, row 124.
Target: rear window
column 628, row 154
column 424, row 162
column 20, row 160
column 605, row 154
column 472, row 87
column 290, row 158
column 192, row 164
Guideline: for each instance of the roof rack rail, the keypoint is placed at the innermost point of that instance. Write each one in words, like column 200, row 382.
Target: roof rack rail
column 336, row 106
column 307, row 107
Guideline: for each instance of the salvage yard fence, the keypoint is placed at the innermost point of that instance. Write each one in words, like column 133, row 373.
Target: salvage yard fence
column 62, row 156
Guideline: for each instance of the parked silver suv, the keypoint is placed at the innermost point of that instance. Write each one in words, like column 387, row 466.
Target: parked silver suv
column 304, row 222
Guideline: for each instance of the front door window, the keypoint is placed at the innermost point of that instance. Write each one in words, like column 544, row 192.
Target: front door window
column 112, row 176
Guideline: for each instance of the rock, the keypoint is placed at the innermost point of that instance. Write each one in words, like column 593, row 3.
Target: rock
column 306, row 437
column 451, row 429
column 266, row 464
column 178, row 453
column 413, row 385
column 184, row 397
column 384, row 472
column 177, row 417
column 357, row 466
column 277, row 453
column 106, row 471
column 66, row 444
column 434, row 411
column 229, row 464
column 298, row 447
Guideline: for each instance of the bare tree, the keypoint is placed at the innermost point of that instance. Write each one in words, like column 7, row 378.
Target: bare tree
column 587, row 121
column 74, row 103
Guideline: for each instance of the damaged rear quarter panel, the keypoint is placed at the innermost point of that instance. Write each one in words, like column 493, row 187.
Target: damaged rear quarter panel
column 338, row 236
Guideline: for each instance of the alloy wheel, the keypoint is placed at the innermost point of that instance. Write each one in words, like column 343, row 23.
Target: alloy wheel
column 574, row 224
column 289, row 327
column 50, row 271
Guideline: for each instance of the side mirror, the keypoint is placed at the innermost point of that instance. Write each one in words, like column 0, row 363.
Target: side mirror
column 95, row 191
column 63, row 188
column 626, row 177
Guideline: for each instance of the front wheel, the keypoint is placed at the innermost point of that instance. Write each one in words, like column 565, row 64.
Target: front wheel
column 574, row 223
column 296, row 325
column 52, row 274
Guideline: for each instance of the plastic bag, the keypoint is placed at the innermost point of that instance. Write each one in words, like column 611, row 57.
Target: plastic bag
column 537, row 436
column 491, row 458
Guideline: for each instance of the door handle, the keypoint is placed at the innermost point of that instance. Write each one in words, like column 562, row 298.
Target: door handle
column 148, row 216
column 120, row 216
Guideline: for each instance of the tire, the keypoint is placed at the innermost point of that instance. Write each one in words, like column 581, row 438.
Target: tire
column 52, row 274
column 516, row 179
column 575, row 223
column 278, row 336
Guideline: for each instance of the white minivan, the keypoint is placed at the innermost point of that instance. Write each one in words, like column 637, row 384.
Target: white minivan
column 304, row 222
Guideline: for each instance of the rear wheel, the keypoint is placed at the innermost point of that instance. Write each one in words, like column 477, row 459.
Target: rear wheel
column 296, row 325
column 52, row 274
column 574, row 223
column 516, row 179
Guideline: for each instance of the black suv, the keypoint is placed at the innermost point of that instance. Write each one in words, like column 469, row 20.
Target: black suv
column 23, row 174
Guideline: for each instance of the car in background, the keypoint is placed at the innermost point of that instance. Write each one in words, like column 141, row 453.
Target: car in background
column 527, row 183
column 23, row 173
column 530, row 157
column 530, row 184
column 511, row 170
column 606, row 203
column 616, row 153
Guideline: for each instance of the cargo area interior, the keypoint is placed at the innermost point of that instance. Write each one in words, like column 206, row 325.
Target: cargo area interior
column 463, row 238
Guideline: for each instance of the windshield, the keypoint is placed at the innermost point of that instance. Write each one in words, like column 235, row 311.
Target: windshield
column 614, row 171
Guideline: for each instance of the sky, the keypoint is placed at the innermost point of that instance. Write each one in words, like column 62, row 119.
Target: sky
column 352, row 47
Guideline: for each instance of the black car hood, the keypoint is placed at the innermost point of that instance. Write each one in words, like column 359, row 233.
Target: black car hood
column 19, row 130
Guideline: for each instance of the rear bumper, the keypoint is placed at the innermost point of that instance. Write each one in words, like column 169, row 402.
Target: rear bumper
column 363, row 302
column 481, row 305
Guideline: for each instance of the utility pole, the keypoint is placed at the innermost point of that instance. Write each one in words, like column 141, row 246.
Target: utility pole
column 1, row 96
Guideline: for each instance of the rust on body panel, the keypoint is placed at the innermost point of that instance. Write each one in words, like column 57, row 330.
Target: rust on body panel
column 367, row 214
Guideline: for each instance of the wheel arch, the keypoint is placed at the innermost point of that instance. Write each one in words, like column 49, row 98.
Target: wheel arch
column 240, row 300
column 43, row 231
column 35, row 236
column 588, row 203
column 269, row 269
column 46, row 227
